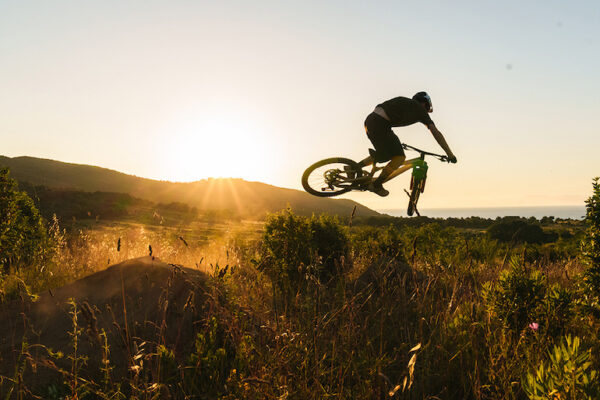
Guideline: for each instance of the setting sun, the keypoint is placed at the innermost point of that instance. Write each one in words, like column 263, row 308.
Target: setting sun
column 219, row 144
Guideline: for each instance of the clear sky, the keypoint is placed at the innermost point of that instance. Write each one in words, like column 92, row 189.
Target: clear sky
column 184, row 90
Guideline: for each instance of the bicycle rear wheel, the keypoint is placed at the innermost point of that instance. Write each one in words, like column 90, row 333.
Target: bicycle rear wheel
column 331, row 177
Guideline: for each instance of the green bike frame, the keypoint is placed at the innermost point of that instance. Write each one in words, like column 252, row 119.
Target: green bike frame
column 418, row 165
column 419, row 169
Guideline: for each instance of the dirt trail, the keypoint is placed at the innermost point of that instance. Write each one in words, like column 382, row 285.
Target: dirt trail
column 138, row 300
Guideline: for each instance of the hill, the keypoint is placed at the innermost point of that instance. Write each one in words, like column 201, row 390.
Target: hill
column 248, row 199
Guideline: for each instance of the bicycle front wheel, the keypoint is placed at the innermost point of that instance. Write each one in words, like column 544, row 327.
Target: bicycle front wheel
column 331, row 177
column 417, row 187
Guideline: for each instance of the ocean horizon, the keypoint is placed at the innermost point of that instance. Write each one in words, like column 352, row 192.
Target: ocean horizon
column 572, row 212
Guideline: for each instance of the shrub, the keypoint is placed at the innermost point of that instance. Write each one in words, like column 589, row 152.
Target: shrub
column 482, row 249
column 209, row 365
column 23, row 235
column 329, row 242
column 559, row 306
column 370, row 243
column 516, row 296
column 568, row 374
column 296, row 249
column 435, row 245
column 591, row 244
column 519, row 230
column 547, row 220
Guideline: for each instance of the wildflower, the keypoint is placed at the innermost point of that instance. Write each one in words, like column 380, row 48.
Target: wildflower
column 534, row 326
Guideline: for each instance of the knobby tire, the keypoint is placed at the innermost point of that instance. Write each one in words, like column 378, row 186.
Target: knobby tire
column 318, row 164
column 416, row 189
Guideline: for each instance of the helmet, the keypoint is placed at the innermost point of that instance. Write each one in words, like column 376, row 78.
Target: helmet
column 423, row 97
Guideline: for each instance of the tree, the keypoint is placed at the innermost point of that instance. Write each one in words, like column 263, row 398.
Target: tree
column 23, row 236
column 519, row 230
column 591, row 244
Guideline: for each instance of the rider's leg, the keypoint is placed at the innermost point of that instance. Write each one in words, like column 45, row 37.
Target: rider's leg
column 377, row 185
column 403, row 168
column 387, row 147
column 392, row 166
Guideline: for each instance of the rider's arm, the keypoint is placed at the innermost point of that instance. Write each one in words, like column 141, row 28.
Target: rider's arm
column 440, row 139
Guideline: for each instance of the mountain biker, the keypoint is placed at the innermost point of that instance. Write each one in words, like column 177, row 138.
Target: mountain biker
column 399, row 111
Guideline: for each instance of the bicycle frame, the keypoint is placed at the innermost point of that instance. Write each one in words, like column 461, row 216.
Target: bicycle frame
column 417, row 164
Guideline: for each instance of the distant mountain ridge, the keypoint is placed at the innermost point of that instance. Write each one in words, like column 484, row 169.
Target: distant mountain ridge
column 249, row 199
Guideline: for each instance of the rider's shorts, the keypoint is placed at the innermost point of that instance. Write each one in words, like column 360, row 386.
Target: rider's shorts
column 380, row 133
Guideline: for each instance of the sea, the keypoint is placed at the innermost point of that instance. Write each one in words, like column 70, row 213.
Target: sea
column 571, row 212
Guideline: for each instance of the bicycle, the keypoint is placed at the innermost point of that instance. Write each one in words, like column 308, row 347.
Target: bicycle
column 338, row 175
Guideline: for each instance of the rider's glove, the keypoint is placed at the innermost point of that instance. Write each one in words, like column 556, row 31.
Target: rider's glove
column 452, row 159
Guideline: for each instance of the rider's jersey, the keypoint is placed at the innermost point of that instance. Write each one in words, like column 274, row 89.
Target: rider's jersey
column 403, row 111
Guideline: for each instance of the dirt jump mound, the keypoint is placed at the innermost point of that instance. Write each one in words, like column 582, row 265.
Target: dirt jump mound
column 110, row 316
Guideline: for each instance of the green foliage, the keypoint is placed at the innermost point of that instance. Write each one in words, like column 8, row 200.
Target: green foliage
column 345, row 335
column 519, row 230
column 297, row 249
column 558, row 310
column 548, row 220
column 78, row 361
column 593, row 220
column 567, row 375
column 482, row 249
column 210, row 363
column 23, row 235
column 167, row 365
column 69, row 204
column 372, row 243
column 329, row 242
column 436, row 246
column 415, row 222
column 591, row 244
column 562, row 249
column 12, row 287
column 515, row 297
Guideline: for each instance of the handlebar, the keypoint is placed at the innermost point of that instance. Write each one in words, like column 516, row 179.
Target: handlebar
column 426, row 153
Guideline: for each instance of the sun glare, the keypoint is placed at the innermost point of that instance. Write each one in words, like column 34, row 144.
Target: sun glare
column 218, row 146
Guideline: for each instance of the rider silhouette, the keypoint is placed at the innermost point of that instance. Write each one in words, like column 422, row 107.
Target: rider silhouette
column 399, row 111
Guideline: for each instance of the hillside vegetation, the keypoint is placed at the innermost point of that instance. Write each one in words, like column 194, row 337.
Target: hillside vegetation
column 246, row 199
column 310, row 308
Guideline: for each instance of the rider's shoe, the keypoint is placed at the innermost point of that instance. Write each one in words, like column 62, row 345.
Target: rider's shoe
column 377, row 188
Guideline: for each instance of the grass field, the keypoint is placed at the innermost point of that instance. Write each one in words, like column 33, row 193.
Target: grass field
column 186, row 306
column 299, row 307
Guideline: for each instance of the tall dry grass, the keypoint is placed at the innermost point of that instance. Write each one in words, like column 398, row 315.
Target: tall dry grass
column 421, row 313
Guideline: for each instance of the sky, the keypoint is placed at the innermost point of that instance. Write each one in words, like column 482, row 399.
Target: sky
column 185, row 90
